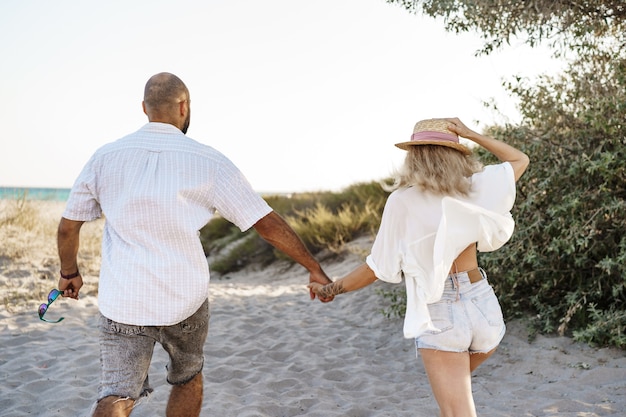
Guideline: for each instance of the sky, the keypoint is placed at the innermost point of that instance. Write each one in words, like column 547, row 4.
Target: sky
column 300, row 95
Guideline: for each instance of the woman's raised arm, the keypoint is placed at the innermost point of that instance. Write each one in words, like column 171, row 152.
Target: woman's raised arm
column 504, row 152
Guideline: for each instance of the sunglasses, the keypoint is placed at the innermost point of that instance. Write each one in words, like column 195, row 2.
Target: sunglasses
column 54, row 294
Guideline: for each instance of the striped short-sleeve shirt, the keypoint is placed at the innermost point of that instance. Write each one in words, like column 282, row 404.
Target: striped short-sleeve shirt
column 156, row 189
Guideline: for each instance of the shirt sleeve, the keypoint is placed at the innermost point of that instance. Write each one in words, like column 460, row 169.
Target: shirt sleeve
column 386, row 256
column 82, row 204
column 494, row 188
column 236, row 200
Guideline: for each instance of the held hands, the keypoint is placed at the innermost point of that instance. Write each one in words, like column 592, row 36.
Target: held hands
column 328, row 291
column 318, row 280
column 316, row 289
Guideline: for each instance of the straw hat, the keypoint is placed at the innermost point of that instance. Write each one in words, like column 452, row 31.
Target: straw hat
column 434, row 132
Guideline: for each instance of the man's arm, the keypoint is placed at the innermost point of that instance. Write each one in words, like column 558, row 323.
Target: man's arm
column 275, row 230
column 68, row 242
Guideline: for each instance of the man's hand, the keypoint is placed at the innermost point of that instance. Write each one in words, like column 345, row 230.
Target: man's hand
column 71, row 287
column 322, row 279
column 275, row 230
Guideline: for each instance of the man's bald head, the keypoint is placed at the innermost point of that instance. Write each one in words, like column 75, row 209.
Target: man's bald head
column 162, row 98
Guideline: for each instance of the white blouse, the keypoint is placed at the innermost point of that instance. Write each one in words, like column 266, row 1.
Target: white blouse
column 421, row 234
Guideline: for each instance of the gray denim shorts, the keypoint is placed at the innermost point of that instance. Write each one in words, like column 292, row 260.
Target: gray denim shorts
column 126, row 352
column 468, row 315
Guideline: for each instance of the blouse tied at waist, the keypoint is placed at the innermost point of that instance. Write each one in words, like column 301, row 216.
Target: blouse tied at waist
column 461, row 224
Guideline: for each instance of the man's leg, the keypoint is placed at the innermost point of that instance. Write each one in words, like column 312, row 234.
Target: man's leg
column 184, row 343
column 114, row 407
column 186, row 399
column 125, row 356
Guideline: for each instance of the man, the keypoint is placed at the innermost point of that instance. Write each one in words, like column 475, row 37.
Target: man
column 157, row 188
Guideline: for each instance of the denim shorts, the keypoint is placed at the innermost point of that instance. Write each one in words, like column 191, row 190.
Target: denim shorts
column 126, row 352
column 468, row 315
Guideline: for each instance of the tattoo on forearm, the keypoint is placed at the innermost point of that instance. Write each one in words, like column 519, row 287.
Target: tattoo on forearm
column 332, row 289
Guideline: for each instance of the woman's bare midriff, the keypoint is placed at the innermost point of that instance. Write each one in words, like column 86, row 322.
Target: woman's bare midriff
column 466, row 261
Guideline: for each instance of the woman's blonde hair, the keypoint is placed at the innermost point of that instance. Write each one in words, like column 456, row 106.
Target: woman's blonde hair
column 438, row 169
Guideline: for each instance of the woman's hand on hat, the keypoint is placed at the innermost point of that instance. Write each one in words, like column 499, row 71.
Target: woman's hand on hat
column 455, row 125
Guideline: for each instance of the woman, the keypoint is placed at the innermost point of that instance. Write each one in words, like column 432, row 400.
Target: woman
column 445, row 207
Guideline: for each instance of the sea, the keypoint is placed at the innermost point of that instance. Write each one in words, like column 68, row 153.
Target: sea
column 38, row 194
column 62, row 194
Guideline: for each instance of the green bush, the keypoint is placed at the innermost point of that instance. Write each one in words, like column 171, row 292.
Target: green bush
column 566, row 264
column 248, row 249
column 606, row 327
column 395, row 302
column 217, row 234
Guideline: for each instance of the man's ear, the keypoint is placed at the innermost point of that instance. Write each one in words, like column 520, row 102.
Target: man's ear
column 143, row 106
column 183, row 107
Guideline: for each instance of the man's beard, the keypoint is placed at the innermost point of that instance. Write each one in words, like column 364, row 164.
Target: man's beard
column 186, row 124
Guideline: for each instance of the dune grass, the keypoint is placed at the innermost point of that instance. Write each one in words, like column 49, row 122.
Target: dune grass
column 28, row 254
column 325, row 221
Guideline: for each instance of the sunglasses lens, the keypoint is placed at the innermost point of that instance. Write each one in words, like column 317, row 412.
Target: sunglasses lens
column 42, row 310
column 54, row 294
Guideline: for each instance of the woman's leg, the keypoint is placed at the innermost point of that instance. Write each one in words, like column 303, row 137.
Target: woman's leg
column 450, row 379
column 477, row 358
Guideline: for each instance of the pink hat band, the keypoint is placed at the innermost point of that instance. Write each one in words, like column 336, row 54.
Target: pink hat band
column 432, row 135
column 434, row 132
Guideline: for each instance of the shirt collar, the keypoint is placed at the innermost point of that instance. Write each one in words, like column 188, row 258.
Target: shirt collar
column 158, row 127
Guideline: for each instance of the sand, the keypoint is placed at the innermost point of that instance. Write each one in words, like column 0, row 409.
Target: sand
column 273, row 352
